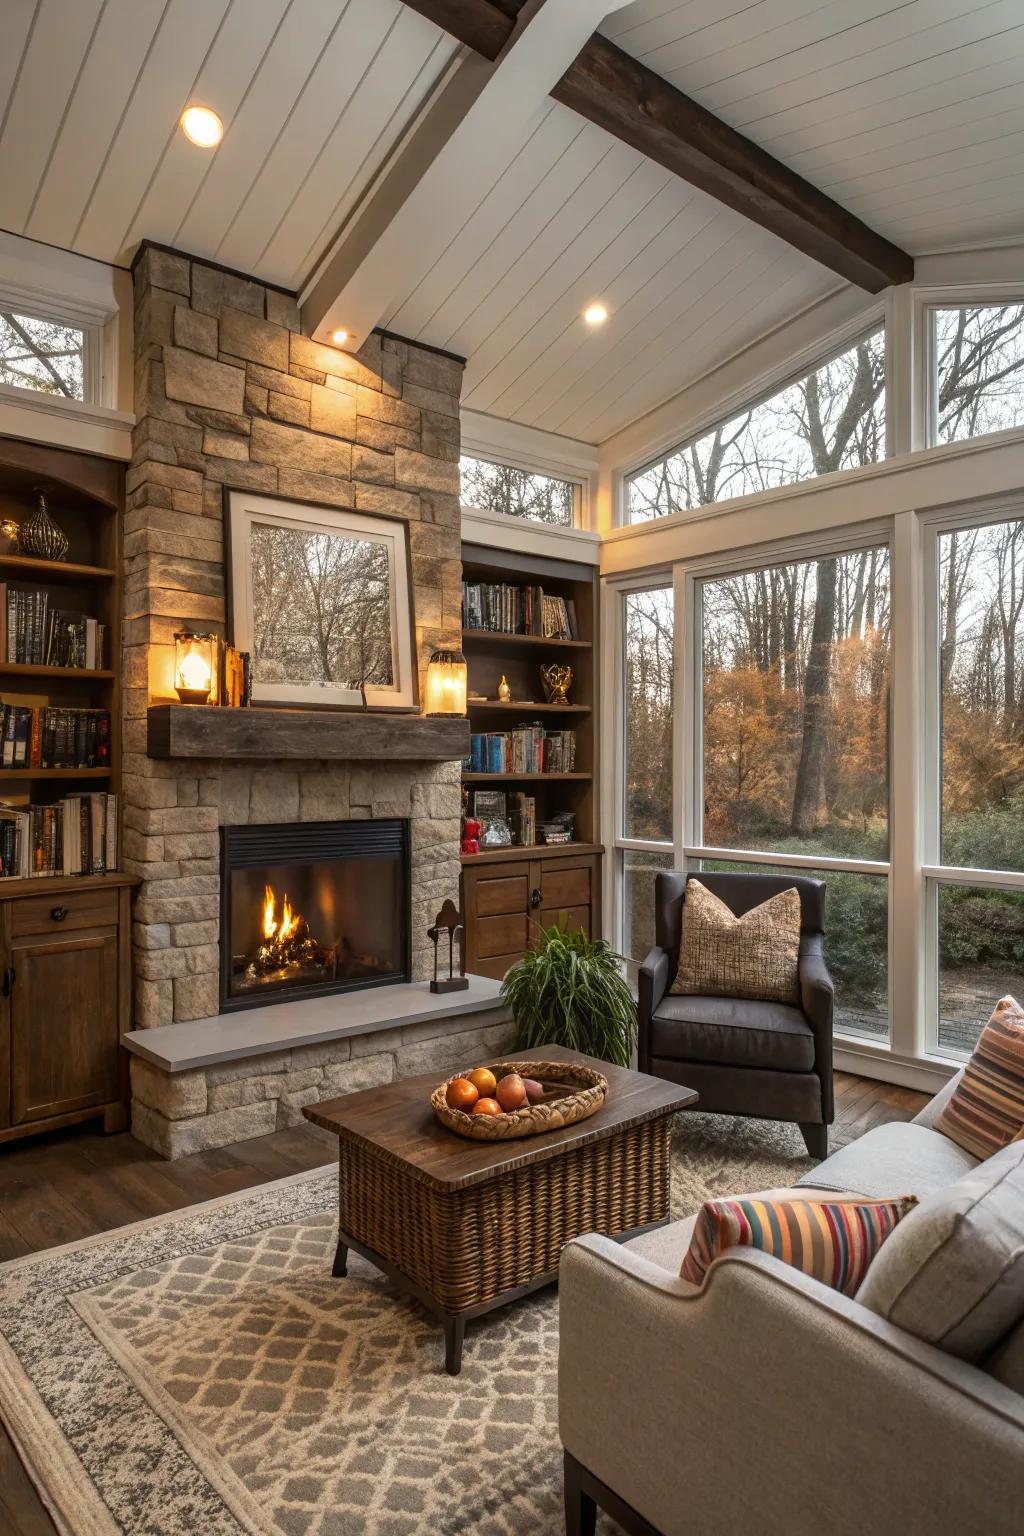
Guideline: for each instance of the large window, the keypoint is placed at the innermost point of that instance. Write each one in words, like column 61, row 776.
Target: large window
column 42, row 355
column 979, row 370
column 979, row 760
column 834, row 418
column 518, row 493
column 645, row 843
column 792, row 741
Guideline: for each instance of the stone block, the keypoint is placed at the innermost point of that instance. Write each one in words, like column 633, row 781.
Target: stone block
column 320, row 359
column 419, row 472
column 257, row 340
column 179, row 1138
column 194, row 934
column 235, row 788
column 326, row 488
column 196, row 332
column 324, row 1053
column 160, row 964
column 450, row 1052
column 324, row 795
column 154, row 1003
column 368, row 464
column 259, row 1086
column 199, row 380
column 332, row 412
column 151, row 935
column 213, row 290
column 441, row 436
column 219, row 421
column 247, row 477
column 276, row 380
column 163, row 269
column 191, row 845
column 225, row 445
column 177, row 1095
column 283, row 309
column 267, row 1065
column 430, row 399
column 397, row 413
column 287, row 408
column 384, row 498
column 290, row 1106
column 196, row 997
column 433, row 371
column 385, row 439
column 273, row 443
column 274, row 796
column 363, row 1072
column 256, row 400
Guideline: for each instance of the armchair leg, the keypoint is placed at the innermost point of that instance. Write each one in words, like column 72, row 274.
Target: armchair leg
column 580, row 1508
column 816, row 1138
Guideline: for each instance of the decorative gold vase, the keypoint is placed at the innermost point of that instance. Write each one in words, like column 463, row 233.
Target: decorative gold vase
column 40, row 537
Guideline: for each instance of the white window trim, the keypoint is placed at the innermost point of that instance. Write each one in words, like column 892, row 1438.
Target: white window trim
column 85, row 318
column 753, row 394
column 925, row 302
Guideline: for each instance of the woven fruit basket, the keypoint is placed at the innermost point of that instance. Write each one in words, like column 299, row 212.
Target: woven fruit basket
column 588, row 1090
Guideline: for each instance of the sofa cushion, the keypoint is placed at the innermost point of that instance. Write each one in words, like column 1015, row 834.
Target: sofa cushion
column 1006, row 1362
column 893, row 1159
column 953, row 1273
column 986, row 1109
column 832, row 1240
column 732, row 1032
column 756, row 955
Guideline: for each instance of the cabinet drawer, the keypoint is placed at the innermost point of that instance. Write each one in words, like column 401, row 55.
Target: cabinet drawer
column 64, row 914
column 566, row 887
column 499, row 896
column 504, row 935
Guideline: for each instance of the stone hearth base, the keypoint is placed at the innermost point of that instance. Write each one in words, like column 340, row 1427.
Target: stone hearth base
column 180, row 1112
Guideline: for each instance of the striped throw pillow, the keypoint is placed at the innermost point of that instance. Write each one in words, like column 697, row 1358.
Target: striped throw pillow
column 986, row 1111
column 833, row 1241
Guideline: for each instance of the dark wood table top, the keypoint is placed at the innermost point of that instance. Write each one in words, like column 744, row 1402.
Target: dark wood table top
column 398, row 1122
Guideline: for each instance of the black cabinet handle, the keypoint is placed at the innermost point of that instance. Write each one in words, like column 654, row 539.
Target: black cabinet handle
column 58, row 914
column 7, row 981
column 535, row 897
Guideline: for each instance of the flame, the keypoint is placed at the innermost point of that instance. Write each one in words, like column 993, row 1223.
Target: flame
column 289, row 923
column 269, row 920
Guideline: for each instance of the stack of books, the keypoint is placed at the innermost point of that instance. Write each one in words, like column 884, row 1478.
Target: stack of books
column 522, row 819
column 32, row 633
column 528, row 749
column 76, row 836
column 48, row 737
column 518, row 611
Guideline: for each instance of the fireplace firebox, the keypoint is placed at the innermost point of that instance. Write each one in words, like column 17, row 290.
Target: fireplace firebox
column 312, row 908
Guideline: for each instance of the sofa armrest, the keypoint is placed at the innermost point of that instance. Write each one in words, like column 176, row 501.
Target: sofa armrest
column 933, row 1109
column 652, row 984
column 669, row 1395
column 817, row 999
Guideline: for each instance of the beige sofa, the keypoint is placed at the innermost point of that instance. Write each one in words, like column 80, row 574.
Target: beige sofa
column 767, row 1403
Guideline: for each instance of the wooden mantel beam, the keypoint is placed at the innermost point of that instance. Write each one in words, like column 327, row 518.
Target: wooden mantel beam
column 607, row 86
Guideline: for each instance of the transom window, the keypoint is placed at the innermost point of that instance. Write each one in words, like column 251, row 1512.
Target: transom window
column 831, row 419
column 979, row 370
column 48, row 356
column 518, row 493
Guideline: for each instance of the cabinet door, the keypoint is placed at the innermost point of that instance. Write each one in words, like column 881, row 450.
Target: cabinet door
column 64, row 1025
column 495, row 905
column 565, row 891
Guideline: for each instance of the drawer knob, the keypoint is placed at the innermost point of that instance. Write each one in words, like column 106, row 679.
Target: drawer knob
column 535, row 897
column 58, row 914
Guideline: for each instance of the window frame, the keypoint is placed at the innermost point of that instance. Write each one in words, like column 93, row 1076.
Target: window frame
column 934, row 873
column 925, row 341
column 77, row 317
column 579, row 483
column 773, row 383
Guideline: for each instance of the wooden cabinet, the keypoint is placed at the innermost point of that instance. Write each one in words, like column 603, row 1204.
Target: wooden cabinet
column 64, row 1003
column 507, row 897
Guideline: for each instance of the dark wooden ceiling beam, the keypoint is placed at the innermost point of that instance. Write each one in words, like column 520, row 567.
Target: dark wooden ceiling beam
column 609, row 87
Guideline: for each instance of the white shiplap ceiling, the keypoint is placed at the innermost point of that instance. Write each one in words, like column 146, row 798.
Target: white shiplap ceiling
column 910, row 114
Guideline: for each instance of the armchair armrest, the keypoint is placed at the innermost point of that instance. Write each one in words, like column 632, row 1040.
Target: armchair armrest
column 817, row 999
column 652, row 984
column 669, row 1395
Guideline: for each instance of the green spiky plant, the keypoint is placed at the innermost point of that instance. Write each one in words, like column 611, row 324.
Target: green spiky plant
column 570, row 991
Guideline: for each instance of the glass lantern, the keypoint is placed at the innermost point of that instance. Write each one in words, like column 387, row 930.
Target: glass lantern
column 446, row 683
column 194, row 662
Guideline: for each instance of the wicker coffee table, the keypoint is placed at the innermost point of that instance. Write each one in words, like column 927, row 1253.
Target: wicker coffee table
column 466, row 1226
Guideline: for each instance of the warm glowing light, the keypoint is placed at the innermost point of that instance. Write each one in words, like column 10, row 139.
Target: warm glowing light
column 595, row 314
column 194, row 673
column 202, row 126
column 340, row 337
column 289, row 924
column 194, row 666
column 269, row 920
column 446, row 683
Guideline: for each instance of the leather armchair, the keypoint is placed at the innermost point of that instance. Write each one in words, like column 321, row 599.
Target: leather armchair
column 744, row 1057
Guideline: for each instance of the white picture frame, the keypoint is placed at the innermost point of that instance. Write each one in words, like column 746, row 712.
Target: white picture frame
column 252, row 522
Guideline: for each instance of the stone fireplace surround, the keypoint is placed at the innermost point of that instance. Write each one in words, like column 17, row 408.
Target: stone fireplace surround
column 229, row 393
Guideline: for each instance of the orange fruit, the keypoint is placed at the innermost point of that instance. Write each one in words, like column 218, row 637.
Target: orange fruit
column 486, row 1107
column 461, row 1094
column 484, row 1081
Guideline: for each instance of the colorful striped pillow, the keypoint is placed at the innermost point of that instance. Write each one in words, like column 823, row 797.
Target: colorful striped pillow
column 986, row 1111
column 834, row 1241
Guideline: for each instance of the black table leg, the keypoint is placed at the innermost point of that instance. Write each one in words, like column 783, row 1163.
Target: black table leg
column 340, row 1266
column 454, row 1333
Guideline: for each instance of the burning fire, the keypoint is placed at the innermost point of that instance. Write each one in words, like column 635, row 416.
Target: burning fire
column 289, row 924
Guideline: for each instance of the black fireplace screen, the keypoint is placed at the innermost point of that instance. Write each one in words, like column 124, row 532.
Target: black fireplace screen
column 312, row 908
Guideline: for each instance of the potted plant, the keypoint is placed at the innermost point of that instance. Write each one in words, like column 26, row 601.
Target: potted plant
column 569, row 991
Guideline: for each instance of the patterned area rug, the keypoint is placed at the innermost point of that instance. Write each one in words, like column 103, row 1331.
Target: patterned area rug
column 201, row 1374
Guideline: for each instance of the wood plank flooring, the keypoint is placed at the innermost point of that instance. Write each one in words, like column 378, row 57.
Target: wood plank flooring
column 69, row 1185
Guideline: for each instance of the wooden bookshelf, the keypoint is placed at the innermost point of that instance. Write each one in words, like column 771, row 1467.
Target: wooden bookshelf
column 508, row 892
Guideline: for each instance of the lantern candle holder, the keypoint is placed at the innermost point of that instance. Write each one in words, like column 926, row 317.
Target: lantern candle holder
column 194, row 663
column 446, row 683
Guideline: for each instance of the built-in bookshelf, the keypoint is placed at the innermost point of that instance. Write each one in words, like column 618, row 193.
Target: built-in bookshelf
column 60, row 670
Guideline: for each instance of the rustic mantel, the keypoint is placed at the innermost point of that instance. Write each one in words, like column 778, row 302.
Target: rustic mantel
column 208, row 731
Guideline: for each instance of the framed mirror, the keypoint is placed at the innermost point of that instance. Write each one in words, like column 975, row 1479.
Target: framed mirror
column 320, row 597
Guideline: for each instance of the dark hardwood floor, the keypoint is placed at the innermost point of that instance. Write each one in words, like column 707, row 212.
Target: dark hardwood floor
column 69, row 1185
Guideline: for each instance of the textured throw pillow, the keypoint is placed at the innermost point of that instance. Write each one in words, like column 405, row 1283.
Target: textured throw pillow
column 756, row 955
column 953, row 1274
column 834, row 1241
column 986, row 1110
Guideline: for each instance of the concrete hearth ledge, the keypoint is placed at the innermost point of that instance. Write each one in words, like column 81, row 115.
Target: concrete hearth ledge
column 310, row 1021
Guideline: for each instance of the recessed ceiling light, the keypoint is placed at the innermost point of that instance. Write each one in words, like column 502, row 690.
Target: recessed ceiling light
column 202, row 126
column 340, row 337
column 595, row 314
